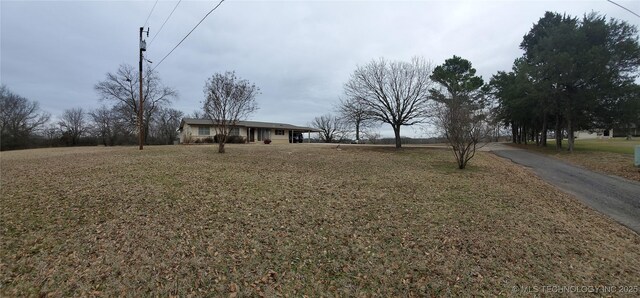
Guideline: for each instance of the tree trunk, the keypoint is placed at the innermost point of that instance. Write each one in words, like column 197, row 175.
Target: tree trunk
column 543, row 137
column 514, row 133
column 357, row 131
column 221, row 147
column 570, row 140
column 396, row 132
column 558, row 133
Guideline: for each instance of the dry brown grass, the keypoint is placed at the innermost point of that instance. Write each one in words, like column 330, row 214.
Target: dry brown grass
column 605, row 162
column 611, row 163
column 293, row 219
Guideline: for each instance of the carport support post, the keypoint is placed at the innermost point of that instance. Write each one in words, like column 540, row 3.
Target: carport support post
column 309, row 137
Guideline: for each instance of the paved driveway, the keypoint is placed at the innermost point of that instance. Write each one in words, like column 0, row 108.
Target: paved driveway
column 617, row 197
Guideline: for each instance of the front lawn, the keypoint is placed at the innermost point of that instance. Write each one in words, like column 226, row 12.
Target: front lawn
column 294, row 219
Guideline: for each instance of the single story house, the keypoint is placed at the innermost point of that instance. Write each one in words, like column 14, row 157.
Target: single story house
column 594, row 134
column 253, row 131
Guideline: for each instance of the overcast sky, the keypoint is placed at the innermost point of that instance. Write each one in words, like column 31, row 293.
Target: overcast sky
column 299, row 53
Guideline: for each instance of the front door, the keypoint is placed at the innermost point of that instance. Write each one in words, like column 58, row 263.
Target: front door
column 252, row 135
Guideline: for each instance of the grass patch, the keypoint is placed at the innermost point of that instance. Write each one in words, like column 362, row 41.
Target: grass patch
column 609, row 156
column 613, row 145
column 293, row 219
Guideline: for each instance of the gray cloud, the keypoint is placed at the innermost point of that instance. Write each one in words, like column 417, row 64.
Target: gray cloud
column 299, row 53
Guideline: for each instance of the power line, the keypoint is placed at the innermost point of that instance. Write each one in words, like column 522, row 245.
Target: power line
column 185, row 37
column 152, row 8
column 629, row 10
column 165, row 21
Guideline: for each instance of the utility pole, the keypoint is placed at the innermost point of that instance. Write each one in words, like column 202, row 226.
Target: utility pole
column 143, row 47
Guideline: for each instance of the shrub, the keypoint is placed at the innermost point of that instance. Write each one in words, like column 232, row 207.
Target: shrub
column 230, row 139
column 198, row 141
column 208, row 140
column 267, row 141
column 235, row 140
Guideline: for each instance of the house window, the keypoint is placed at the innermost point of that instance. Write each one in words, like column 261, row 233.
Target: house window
column 203, row 130
column 234, row 131
column 279, row 132
column 263, row 134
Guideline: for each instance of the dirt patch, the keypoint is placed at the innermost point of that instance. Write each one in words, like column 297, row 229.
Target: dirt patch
column 296, row 220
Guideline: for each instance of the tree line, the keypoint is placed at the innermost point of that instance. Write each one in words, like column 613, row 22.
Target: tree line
column 23, row 124
column 575, row 74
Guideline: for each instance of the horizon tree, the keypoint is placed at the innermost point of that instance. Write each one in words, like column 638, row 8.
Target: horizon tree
column 332, row 128
column 396, row 92
column 123, row 89
column 355, row 113
column 166, row 124
column 20, row 118
column 73, row 123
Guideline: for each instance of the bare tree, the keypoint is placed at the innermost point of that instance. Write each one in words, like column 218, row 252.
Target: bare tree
column 166, row 124
column 19, row 119
column 104, row 124
column 73, row 123
column 464, row 127
column 196, row 114
column 228, row 99
column 460, row 106
column 373, row 137
column 123, row 89
column 52, row 134
column 354, row 112
column 331, row 128
column 396, row 92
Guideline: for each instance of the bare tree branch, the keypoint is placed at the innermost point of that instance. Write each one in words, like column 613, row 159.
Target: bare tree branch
column 122, row 88
column 396, row 93
column 354, row 112
column 228, row 99
column 19, row 119
column 332, row 128
column 73, row 123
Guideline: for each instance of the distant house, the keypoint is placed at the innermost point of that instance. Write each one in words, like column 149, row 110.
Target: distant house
column 594, row 134
column 252, row 131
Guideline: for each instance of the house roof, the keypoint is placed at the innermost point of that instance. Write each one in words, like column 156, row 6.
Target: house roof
column 256, row 124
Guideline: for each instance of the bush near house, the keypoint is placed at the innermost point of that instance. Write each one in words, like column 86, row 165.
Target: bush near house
column 230, row 139
column 236, row 140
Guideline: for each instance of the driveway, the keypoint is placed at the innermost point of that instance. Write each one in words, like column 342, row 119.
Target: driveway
column 614, row 196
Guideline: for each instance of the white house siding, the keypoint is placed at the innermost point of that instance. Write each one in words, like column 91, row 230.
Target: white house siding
column 194, row 130
column 596, row 134
column 276, row 139
column 190, row 130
